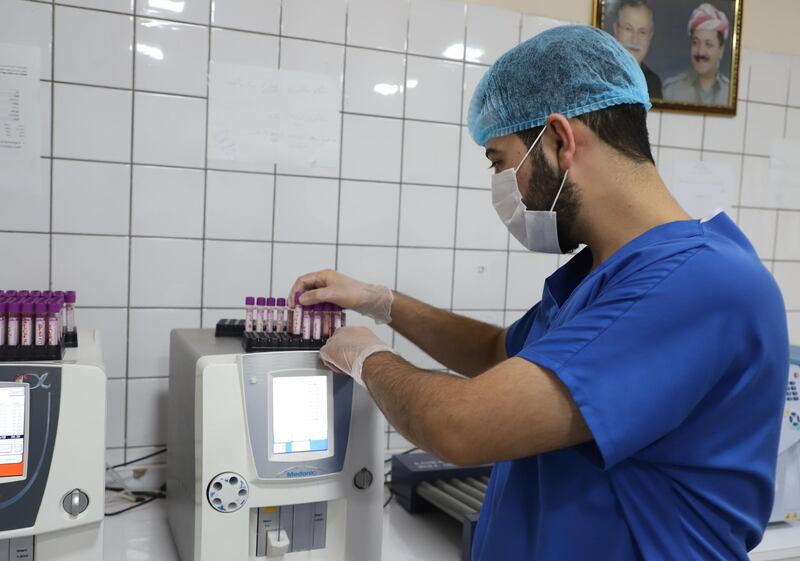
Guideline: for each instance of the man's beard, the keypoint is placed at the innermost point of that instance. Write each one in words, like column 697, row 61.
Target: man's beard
column 542, row 190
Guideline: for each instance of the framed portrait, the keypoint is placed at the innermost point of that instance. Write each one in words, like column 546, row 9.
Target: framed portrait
column 688, row 49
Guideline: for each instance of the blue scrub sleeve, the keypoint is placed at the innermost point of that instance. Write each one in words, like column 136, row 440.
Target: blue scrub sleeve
column 641, row 357
column 518, row 331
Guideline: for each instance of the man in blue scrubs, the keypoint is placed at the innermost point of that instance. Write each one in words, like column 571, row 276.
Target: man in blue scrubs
column 633, row 413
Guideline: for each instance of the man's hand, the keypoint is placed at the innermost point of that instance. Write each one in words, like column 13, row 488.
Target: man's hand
column 329, row 286
column 349, row 347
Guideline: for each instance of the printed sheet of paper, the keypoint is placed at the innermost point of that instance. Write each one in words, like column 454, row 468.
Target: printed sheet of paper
column 784, row 173
column 704, row 187
column 19, row 119
column 259, row 116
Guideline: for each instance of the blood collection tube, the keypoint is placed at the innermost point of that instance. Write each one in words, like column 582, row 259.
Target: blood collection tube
column 3, row 321
column 40, row 325
column 36, row 293
column 282, row 316
column 47, row 294
column 337, row 317
column 24, row 293
column 69, row 304
column 249, row 302
column 260, row 301
column 327, row 323
column 316, row 322
column 59, row 296
column 53, row 322
column 306, row 322
column 297, row 318
column 270, row 314
column 11, row 294
column 26, row 325
column 13, row 323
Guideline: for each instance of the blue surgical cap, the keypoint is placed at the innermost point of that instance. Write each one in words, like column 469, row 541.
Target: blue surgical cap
column 571, row 70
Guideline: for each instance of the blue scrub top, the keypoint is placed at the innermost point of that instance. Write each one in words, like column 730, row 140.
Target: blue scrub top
column 676, row 352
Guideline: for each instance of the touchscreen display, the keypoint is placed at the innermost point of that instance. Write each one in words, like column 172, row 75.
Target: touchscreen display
column 12, row 430
column 299, row 414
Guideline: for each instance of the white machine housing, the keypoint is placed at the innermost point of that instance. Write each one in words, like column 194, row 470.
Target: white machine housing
column 65, row 447
column 787, row 480
column 230, row 496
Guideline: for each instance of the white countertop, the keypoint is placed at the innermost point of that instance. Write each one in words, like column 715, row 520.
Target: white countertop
column 143, row 535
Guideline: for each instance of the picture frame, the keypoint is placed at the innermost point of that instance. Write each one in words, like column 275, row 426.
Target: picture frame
column 688, row 49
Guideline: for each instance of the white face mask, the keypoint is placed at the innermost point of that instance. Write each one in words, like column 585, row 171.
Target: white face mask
column 535, row 229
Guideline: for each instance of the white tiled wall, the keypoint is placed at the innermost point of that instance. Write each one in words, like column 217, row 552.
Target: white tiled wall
column 154, row 236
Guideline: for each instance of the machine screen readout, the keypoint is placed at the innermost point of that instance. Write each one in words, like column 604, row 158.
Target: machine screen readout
column 12, row 430
column 299, row 414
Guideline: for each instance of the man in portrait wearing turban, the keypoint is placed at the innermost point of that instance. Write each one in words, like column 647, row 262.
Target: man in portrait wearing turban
column 704, row 83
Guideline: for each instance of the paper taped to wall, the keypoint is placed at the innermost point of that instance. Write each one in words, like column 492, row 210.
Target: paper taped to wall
column 261, row 115
column 19, row 119
column 784, row 173
column 702, row 187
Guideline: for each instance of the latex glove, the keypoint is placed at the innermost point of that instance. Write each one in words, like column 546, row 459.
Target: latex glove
column 371, row 300
column 349, row 347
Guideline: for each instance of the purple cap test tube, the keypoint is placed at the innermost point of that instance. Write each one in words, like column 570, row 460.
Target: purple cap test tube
column 297, row 318
column 282, row 316
column 53, row 322
column 249, row 302
column 12, row 340
column 316, row 322
column 261, row 315
column 40, row 323
column 270, row 314
column 26, row 328
column 3, row 320
column 69, row 304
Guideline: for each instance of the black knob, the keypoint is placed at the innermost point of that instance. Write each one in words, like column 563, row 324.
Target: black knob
column 363, row 479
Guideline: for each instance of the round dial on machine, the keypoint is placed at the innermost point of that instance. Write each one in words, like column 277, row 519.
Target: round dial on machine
column 228, row 492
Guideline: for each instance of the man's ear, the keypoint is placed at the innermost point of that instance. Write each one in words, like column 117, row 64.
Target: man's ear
column 562, row 140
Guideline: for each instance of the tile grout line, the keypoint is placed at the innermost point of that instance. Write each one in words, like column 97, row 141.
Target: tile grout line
column 341, row 141
column 205, row 167
column 52, row 135
column 130, row 239
column 353, row 179
column 508, row 234
column 404, row 86
column 458, row 160
column 778, row 211
column 401, row 163
column 250, row 31
column 364, row 245
column 741, row 162
column 275, row 172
